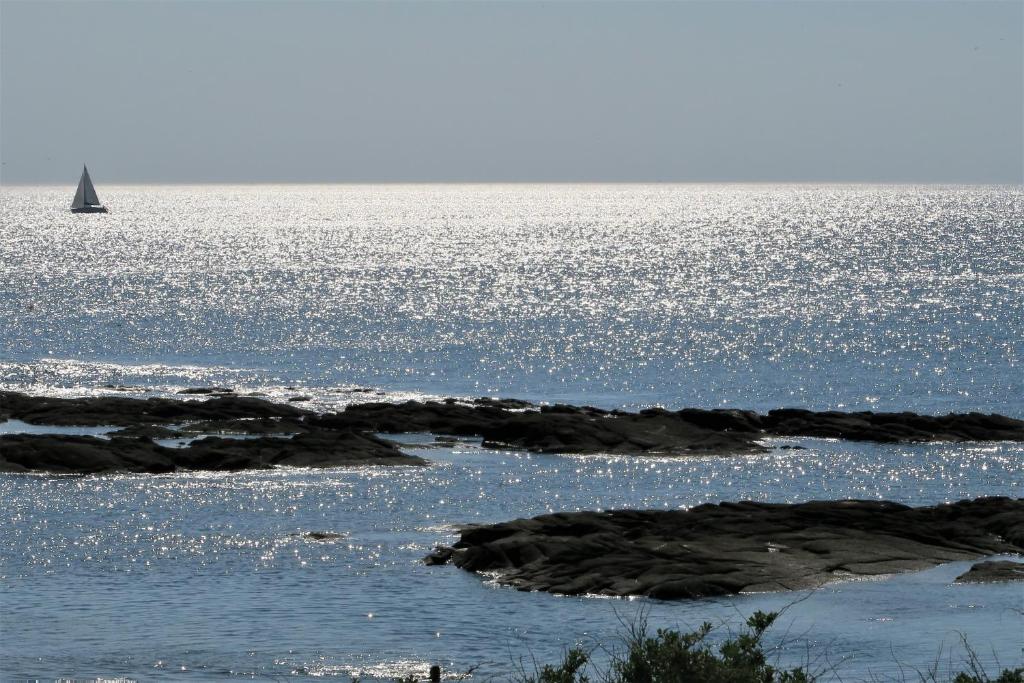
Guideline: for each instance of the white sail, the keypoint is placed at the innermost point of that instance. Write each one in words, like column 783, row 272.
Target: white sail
column 86, row 194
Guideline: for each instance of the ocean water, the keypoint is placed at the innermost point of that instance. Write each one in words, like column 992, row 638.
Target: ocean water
column 751, row 296
column 849, row 297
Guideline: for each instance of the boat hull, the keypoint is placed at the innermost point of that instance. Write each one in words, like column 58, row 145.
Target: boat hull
column 90, row 209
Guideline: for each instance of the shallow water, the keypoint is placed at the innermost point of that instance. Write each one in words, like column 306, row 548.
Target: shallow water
column 19, row 427
column 149, row 576
column 749, row 296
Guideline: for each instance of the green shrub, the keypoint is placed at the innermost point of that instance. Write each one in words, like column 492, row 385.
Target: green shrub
column 671, row 656
column 569, row 671
column 1007, row 676
column 674, row 657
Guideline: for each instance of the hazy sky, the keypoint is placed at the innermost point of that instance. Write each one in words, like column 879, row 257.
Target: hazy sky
column 923, row 91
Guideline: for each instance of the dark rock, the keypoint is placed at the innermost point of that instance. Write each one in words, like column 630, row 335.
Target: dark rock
column 148, row 431
column 323, row 535
column 893, row 427
column 82, row 454
column 571, row 429
column 90, row 455
column 201, row 391
column 300, row 399
column 733, row 547
column 441, row 555
column 506, row 403
column 413, row 416
column 118, row 410
column 723, row 419
column 552, row 429
column 122, row 387
column 257, row 425
column 993, row 571
column 507, row 423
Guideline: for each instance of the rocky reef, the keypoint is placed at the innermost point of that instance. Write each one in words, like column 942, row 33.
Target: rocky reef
column 347, row 437
column 731, row 548
column 61, row 454
column 572, row 429
column 993, row 571
column 277, row 435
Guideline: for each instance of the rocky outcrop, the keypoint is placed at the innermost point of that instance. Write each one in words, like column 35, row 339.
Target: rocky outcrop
column 91, row 455
column 504, row 423
column 515, row 423
column 126, row 411
column 893, row 427
column 993, row 571
column 550, row 429
column 571, row 429
column 732, row 547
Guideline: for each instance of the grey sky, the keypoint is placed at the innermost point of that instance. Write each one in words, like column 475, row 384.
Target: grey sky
column 923, row 91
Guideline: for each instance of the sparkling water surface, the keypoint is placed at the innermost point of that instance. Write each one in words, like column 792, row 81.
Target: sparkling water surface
column 209, row 574
column 749, row 296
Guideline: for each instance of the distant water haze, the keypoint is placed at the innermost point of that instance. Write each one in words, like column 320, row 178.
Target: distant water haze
column 340, row 91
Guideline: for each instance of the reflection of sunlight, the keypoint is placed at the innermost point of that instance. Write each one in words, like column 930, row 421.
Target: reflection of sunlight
column 751, row 296
column 672, row 295
column 230, row 536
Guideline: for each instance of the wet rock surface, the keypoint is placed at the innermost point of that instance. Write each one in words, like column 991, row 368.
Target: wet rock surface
column 993, row 571
column 60, row 454
column 501, row 423
column 901, row 427
column 127, row 411
column 549, row 429
column 326, row 536
column 572, row 429
column 732, row 547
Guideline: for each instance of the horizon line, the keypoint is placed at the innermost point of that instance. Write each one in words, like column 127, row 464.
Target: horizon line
column 936, row 183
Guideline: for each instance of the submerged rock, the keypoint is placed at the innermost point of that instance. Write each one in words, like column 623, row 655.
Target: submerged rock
column 993, row 571
column 325, row 536
column 732, row 547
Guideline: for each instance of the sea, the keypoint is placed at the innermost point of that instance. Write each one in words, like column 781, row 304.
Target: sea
column 851, row 297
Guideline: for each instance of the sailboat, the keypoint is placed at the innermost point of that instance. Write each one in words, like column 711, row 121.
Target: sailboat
column 86, row 200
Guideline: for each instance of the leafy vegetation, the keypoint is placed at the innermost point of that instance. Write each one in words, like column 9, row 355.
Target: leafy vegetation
column 671, row 656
